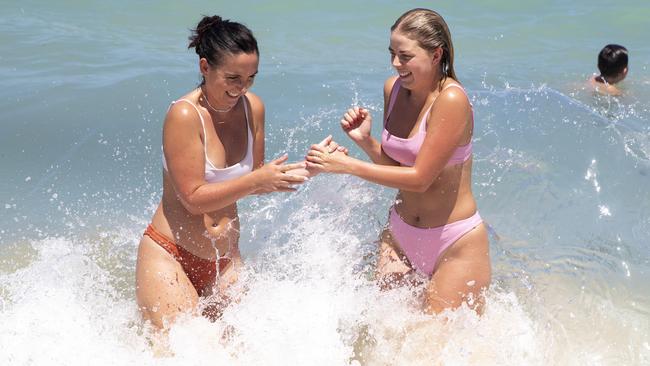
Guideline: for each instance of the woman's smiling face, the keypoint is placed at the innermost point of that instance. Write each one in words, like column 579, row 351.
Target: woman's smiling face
column 414, row 64
column 227, row 82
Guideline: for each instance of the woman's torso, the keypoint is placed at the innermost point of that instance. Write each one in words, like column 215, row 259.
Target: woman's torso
column 449, row 198
column 228, row 146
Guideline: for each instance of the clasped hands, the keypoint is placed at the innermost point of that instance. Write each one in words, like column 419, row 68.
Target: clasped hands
column 326, row 156
column 322, row 158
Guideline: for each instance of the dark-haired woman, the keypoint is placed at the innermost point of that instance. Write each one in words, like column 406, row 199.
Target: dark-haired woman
column 434, row 231
column 213, row 147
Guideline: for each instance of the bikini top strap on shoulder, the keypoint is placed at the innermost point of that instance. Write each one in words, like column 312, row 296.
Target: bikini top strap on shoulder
column 456, row 85
column 393, row 96
column 205, row 136
column 245, row 109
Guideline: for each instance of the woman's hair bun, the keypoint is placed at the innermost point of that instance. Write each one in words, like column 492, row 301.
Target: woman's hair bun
column 208, row 22
column 214, row 38
column 204, row 25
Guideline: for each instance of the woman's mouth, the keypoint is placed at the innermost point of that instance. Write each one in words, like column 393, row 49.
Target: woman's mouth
column 404, row 74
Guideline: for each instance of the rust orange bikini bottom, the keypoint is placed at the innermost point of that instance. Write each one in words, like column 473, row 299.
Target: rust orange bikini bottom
column 201, row 272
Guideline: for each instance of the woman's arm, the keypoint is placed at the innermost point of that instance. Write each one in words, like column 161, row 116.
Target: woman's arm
column 446, row 127
column 184, row 153
column 357, row 124
column 257, row 111
column 373, row 149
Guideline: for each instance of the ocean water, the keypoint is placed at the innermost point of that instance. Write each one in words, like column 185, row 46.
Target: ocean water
column 561, row 176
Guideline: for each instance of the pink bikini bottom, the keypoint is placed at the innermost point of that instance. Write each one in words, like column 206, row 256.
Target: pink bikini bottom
column 423, row 246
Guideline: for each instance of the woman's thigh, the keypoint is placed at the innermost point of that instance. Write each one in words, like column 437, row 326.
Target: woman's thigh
column 163, row 290
column 393, row 269
column 462, row 274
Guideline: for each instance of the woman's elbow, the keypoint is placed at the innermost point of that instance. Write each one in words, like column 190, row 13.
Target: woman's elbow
column 421, row 188
column 190, row 205
column 414, row 187
column 420, row 184
column 194, row 210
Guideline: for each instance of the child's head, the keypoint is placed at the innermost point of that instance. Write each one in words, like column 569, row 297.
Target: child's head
column 612, row 62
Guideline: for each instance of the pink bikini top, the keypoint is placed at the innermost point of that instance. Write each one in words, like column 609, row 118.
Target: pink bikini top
column 405, row 150
column 214, row 174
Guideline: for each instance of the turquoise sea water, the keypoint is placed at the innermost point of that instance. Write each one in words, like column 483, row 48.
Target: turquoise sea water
column 561, row 176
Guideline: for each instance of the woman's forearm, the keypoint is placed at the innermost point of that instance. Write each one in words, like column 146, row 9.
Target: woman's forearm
column 214, row 196
column 400, row 177
column 372, row 148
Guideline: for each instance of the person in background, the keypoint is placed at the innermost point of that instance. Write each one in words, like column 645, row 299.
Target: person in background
column 612, row 64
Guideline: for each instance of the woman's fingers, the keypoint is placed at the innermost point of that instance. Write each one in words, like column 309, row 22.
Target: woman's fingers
column 314, row 159
column 280, row 160
column 316, row 153
column 326, row 141
column 333, row 146
column 317, row 148
column 293, row 179
column 315, row 167
column 363, row 113
column 286, row 189
column 292, row 166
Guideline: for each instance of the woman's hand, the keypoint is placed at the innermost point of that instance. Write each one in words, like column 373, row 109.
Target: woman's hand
column 331, row 146
column 321, row 160
column 357, row 123
column 273, row 176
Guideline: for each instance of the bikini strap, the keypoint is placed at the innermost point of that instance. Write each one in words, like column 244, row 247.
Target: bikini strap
column 393, row 96
column 249, row 127
column 456, row 85
column 423, row 122
column 205, row 136
column 245, row 108
column 248, row 123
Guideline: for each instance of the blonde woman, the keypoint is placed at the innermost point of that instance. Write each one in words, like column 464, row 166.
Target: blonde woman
column 434, row 230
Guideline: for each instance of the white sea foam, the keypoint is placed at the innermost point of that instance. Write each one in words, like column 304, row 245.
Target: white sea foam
column 307, row 299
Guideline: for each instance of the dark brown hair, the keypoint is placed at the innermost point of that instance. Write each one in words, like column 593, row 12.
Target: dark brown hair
column 612, row 60
column 215, row 38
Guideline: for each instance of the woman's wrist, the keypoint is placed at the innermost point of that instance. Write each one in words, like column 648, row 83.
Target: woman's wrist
column 350, row 166
column 364, row 142
column 368, row 145
column 254, row 181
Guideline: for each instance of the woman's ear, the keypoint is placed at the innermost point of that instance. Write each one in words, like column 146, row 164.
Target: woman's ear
column 437, row 55
column 204, row 66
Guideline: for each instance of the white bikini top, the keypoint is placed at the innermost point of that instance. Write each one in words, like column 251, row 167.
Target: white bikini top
column 214, row 174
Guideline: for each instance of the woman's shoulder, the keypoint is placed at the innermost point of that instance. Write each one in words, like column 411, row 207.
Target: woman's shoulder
column 254, row 101
column 256, row 107
column 453, row 92
column 389, row 84
column 184, row 110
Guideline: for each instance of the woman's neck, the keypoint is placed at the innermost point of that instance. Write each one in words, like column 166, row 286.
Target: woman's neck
column 419, row 96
